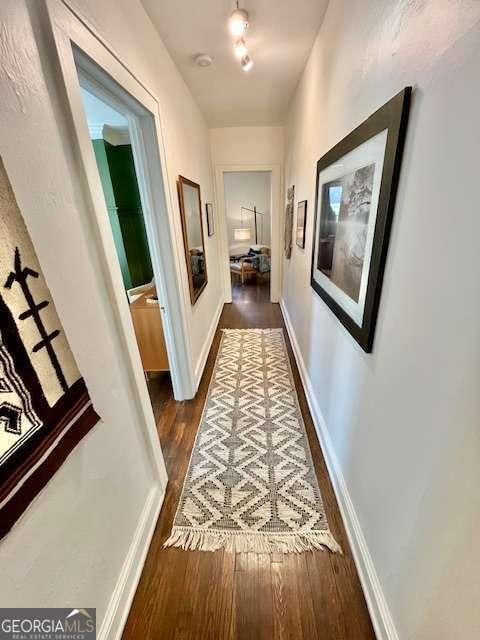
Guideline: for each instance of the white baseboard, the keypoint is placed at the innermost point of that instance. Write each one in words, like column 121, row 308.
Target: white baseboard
column 122, row 596
column 207, row 345
column 379, row 612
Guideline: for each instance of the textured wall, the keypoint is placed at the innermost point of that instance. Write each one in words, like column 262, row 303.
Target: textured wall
column 404, row 421
column 70, row 546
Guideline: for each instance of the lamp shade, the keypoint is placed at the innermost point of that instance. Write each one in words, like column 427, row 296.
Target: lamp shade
column 242, row 234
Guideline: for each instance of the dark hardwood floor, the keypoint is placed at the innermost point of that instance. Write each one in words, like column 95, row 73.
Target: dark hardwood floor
column 219, row 596
column 252, row 291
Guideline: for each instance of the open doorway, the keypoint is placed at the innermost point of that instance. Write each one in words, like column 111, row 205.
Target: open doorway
column 111, row 138
column 248, row 205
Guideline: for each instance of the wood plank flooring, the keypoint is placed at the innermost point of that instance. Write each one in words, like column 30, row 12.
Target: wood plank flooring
column 219, row 596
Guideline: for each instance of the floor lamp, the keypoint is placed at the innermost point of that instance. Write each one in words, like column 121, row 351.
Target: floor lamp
column 244, row 234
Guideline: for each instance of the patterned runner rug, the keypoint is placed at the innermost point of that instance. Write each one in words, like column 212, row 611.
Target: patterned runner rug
column 251, row 484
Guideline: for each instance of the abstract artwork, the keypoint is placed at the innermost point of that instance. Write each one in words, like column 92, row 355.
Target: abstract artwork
column 45, row 409
column 289, row 222
column 355, row 197
column 301, row 223
column 346, row 204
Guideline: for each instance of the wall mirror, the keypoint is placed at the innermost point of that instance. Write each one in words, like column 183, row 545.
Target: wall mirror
column 192, row 225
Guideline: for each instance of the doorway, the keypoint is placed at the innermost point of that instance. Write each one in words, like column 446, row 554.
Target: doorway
column 248, row 205
column 248, row 191
column 111, row 140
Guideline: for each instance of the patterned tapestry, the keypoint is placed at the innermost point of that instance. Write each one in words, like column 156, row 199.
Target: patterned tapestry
column 289, row 221
column 45, row 409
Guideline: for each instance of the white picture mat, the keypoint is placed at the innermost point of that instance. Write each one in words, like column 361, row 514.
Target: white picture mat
column 371, row 151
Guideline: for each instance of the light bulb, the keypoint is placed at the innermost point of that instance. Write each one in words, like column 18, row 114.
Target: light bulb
column 240, row 49
column 246, row 62
column 238, row 22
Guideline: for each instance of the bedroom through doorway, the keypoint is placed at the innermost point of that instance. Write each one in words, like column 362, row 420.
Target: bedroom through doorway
column 248, row 205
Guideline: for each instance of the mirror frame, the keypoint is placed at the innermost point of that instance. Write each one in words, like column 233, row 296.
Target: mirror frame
column 194, row 295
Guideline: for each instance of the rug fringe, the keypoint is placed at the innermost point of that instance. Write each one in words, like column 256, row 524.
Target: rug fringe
column 242, row 542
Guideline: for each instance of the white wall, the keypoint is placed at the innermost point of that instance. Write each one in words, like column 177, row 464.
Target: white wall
column 247, row 145
column 404, row 421
column 70, row 545
column 248, row 189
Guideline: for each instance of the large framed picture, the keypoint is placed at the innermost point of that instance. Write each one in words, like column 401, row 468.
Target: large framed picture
column 355, row 197
column 301, row 224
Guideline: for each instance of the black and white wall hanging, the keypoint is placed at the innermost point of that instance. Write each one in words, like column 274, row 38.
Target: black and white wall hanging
column 45, row 409
column 355, row 197
column 289, row 222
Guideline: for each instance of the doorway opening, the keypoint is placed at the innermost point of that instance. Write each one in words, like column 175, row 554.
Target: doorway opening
column 120, row 168
column 248, row 206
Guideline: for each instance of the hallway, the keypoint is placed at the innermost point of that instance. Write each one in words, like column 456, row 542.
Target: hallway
column 167, row 170
column 222, row 596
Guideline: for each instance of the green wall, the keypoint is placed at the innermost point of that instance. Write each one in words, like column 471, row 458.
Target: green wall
column 120, row 188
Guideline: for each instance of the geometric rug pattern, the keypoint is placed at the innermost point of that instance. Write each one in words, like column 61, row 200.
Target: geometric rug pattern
column 251, row 483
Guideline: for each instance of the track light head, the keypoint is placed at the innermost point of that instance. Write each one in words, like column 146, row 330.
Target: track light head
column 238, row 22
column 240, row 48
column 246, row 62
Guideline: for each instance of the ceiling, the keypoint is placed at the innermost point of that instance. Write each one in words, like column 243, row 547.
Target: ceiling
column 279, row 39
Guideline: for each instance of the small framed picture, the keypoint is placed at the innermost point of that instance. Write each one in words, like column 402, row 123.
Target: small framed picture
column 355, row 196
column 301, row 223
column 210, row 220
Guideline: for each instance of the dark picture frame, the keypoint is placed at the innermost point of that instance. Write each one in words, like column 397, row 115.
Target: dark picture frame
column 192, row 227
column 388, row 124
column 301, row 224
column 210, row 219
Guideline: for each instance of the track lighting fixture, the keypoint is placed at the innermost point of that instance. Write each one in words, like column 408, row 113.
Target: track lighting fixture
column 246, row 62
column 238, row 22
column 240, row 48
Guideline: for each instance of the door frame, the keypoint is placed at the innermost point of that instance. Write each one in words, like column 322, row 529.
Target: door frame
column 76, row 43
column 276, row 218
